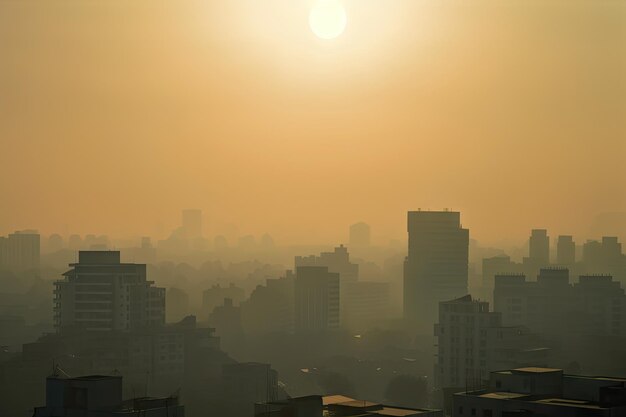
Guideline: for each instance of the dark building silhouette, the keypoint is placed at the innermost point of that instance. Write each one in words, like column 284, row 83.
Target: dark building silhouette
column 337, row 261
column 565, row 251
column 192, row 223
column 101, row 396
column 359, row 235
column 100, row 293
column 436, row 268
column 20, row 250
column 316, row 300
column 270, row 308
column 594, row 306
column 539, row 247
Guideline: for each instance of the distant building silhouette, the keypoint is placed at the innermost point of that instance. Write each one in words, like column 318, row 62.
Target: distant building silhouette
column 337, row 261
column 496, row 265
column 20, row 250
column 594, row 306
column 192, row 223
column 436, row 268
column 270, row 308
column 565, row 251
column 539, row 247
column 215, row 296
column 360, row 235
column 316, row 299
column 100, row 293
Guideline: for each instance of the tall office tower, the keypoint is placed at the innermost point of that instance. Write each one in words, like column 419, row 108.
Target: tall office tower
column 436, row 268
column 565, row 251
column 359, row 235
column 20, row 250
column 192, row 223
column 539, row 247
column 316, row 300
column 100, row 293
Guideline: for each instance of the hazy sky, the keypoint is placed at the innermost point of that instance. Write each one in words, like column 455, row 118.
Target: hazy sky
column 116, row 114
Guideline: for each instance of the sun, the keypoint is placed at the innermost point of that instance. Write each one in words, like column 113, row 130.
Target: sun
column 328, row 19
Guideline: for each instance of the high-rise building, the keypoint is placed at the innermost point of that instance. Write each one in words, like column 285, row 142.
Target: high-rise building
column 539, row 247
column 565, row 251
column 316, row 300
column 100, row 293
column 192, row 223
column 359, row 235
column 20, row 250
column 436, row 268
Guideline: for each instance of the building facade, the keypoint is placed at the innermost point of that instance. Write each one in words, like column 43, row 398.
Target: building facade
column 100, row 293
column 436, row 268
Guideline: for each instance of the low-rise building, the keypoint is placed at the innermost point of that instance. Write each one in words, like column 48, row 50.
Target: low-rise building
column 100, row 396
column 337, row 406
column 543, row 392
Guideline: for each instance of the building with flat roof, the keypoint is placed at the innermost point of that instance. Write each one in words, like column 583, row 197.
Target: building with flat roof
column 436, row 268
column 100, row 293
column 543, row 392
column 594, row 306
column 20, row 251
column 337, row 406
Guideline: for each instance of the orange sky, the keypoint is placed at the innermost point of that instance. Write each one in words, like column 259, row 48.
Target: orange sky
column 114, row 115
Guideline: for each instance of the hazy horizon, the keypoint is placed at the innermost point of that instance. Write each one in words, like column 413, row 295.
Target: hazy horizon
column 116, row 117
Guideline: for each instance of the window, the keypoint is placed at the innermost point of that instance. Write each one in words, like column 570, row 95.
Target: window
column 473, row 411
column 461, row 410
column 487, row 413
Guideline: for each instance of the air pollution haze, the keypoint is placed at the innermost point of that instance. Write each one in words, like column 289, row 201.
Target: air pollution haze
column 346, row 208
column 114, row 116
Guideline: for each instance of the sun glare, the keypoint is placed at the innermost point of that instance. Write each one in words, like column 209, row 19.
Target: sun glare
column 328, row 19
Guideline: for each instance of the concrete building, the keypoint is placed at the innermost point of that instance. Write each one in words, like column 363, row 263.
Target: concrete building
column 20, row 251
column 100, row 293
column 316, row 300
column 100, row 396
column 360, row 235
column 543, row 392
column 565, row 251
column 338, row 406
column 436, row 268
